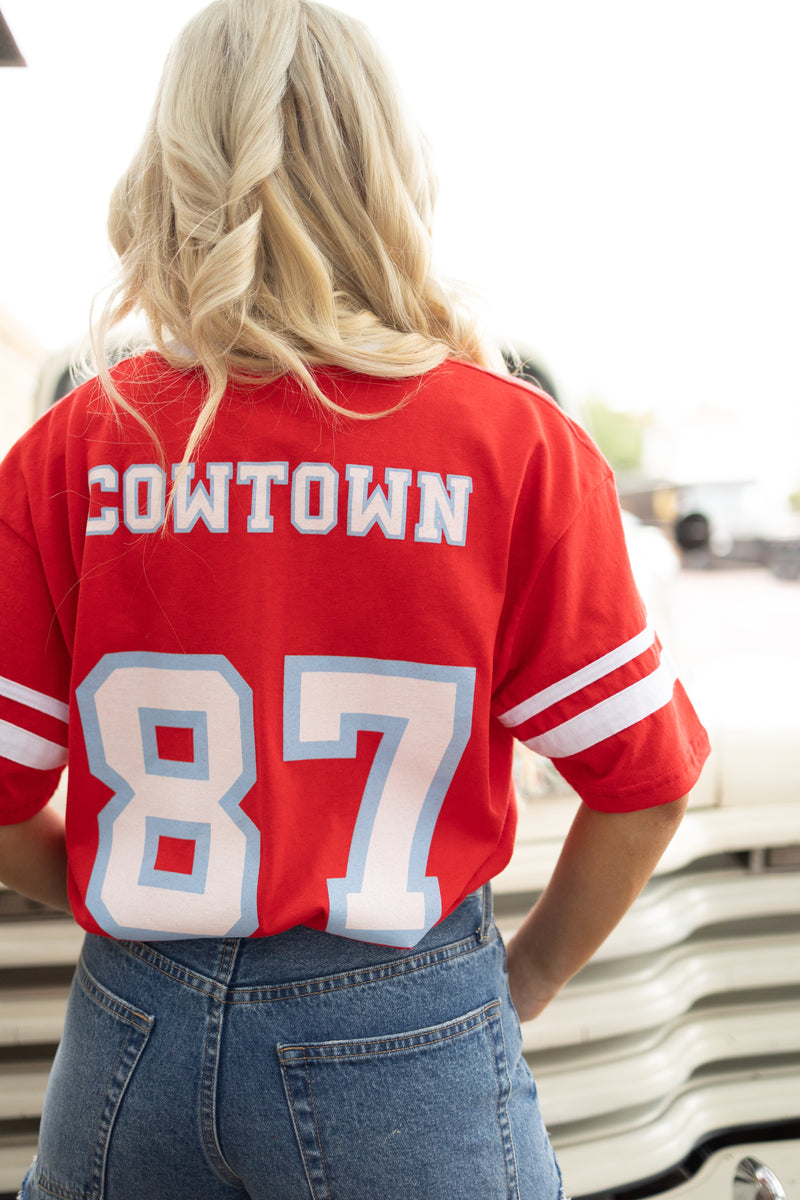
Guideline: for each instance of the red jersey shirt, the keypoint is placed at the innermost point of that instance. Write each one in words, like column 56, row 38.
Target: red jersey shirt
column 290, row 697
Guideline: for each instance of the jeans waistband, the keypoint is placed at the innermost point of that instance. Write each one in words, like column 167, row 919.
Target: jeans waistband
column 301, row 953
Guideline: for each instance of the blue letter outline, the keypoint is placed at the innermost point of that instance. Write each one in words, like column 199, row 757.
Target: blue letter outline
column 346, row 746
column 192, row 504
column 436, row 516
column 107, row 479
column 379, row 508
column 123, row 792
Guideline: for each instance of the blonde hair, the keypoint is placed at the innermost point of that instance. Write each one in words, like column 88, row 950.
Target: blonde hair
column 277, row 214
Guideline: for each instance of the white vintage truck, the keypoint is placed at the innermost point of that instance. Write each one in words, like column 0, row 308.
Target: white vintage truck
column 670, row 1066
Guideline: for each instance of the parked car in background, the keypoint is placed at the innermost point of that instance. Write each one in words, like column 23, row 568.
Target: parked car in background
column 674, row 1057
column 722, row 522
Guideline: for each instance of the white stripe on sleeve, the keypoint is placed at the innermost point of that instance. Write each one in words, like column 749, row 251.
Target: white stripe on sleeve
column 579, row 679
column 31, row 699
column 609, row 717
column 30, row 750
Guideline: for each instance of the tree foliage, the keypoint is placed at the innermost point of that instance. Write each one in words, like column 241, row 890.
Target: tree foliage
column 620, row 435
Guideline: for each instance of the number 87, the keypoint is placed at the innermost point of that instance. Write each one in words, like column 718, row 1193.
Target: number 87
column 193, row 799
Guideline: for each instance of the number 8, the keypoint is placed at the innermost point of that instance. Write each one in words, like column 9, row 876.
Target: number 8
column 173, row 838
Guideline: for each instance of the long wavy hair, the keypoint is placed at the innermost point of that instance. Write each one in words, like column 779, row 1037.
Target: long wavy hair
column 277, row 215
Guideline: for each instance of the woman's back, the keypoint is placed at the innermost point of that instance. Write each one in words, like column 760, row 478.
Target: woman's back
column 282, row 592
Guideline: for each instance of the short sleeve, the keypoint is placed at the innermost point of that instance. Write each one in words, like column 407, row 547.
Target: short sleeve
column 584, row 680
column 34, row 683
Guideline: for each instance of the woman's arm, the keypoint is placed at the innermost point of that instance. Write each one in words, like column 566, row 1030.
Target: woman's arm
column 33, row 858
column 605, row 862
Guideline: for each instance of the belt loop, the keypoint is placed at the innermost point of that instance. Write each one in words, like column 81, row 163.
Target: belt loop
column 487, row 914
column 229, row 953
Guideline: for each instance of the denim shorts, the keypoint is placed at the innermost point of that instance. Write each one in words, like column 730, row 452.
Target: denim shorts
column 293, row 1067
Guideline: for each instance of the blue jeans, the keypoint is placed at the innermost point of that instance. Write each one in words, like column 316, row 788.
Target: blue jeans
column 298, row 1066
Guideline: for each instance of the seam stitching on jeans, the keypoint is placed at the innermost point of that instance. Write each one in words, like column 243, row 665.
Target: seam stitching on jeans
column 363, row 976
column 117, row 1008
column 506, row 1135
column 316, row 1126
column 208, row 1125
column 284, row 991
column 482, row 1018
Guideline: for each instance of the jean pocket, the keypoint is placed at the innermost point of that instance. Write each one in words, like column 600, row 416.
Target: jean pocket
column 416, row 1114
column 103, row 1039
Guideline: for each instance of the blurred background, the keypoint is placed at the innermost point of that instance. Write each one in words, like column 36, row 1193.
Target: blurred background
column 619, row 182
column 620, row 185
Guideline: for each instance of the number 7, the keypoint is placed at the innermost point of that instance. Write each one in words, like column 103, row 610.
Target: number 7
column 425, row 714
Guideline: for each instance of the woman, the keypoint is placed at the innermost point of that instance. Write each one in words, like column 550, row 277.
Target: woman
column 294, row 580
